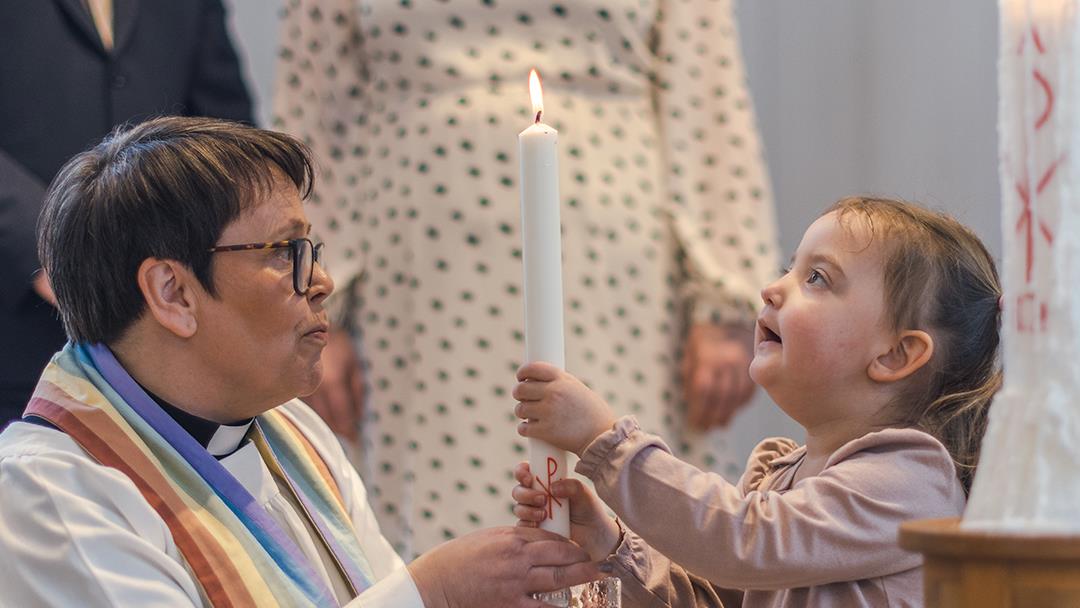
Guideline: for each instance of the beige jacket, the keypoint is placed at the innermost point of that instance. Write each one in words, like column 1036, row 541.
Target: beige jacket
column 830, row 540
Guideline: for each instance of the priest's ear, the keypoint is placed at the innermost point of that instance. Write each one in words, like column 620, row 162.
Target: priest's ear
column 908, row 354
column 167, row 287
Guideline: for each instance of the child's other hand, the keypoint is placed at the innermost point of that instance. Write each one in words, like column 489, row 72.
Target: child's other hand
column 558, row 408
column 590, row 525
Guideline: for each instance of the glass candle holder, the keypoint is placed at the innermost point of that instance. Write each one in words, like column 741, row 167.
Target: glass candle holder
column 604, row 593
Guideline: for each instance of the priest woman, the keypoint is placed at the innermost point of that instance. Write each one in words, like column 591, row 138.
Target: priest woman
column 164, row 458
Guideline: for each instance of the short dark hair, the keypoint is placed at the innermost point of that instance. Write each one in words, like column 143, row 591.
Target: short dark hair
column 165, row 188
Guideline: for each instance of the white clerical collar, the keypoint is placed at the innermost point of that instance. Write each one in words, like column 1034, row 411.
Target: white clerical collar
column 227, row 438
column 218, row 439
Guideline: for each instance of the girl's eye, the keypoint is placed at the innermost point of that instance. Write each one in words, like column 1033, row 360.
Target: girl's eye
column 815, row 277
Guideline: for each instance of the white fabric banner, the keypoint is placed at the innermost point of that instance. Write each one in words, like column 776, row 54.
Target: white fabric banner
column 1029, row 476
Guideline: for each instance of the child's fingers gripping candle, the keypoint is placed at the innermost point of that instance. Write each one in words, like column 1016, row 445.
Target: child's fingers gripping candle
column 530, row 411
column 590, row 525
column 531, row 390
column 528, row 502
column 535, row 379
column 540, row 421
column 539, row 371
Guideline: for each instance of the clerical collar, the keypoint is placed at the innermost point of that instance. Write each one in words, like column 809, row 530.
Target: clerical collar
column 218, row 439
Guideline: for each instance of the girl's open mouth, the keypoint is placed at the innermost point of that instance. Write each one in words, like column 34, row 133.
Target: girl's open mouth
column 768, row 335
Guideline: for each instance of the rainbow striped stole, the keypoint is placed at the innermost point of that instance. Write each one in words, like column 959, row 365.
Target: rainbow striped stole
column 239, row 555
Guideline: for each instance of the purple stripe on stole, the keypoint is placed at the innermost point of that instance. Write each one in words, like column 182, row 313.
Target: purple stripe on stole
column 209, row 469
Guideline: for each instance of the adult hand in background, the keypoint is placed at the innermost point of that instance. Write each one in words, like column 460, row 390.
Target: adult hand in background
column 340, row 397
column 716, row 373
column 500, row 567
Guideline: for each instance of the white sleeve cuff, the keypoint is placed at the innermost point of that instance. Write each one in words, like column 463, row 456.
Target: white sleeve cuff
column 397, row 590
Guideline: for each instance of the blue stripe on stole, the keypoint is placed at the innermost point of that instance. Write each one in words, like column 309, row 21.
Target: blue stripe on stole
column 336, row 532
column 284, row 552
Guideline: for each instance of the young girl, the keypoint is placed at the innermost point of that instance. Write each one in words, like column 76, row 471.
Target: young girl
column 881, row 341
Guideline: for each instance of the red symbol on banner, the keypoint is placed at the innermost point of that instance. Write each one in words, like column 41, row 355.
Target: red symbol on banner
column 1027, row 222
column 1049, row 91
column 552, row 468
column 1034, row 36
column 1029, row 311
column 1026, row 225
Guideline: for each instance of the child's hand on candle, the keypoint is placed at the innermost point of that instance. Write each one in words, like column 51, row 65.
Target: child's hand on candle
column 590, row 525
column 558, row 408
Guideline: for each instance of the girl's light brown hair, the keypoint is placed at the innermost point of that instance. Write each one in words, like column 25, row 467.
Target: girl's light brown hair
column 939, row 278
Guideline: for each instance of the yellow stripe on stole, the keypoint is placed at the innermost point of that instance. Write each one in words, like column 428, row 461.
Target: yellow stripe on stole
column 314, row 459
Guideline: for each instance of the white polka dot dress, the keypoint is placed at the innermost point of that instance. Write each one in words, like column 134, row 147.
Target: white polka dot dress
column 413, row 108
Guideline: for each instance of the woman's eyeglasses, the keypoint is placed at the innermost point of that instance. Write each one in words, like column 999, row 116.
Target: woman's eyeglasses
column 304, row 256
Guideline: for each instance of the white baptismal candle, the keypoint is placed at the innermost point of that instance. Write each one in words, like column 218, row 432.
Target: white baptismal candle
column 542, row 259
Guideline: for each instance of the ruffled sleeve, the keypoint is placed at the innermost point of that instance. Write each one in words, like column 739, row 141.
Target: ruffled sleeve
column 837, row 526
column 763, row 460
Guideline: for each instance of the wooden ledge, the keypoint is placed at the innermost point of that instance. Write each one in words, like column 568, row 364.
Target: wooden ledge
column 945, row 537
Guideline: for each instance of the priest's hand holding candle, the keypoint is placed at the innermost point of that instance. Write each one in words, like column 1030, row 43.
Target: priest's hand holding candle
column 542, row 260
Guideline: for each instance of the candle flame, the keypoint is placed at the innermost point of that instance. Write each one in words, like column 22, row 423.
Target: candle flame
column 536, row 94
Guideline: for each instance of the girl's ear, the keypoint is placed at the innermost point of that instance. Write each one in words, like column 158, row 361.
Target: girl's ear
column 167, row 287
column 907, row 356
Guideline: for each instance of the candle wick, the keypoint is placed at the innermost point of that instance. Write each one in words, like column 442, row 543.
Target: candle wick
column 538, row 113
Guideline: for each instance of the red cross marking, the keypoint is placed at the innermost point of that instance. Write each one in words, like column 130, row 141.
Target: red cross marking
column 1024, row 223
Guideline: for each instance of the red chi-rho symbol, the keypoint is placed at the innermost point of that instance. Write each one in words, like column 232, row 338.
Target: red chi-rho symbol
column 552, row 469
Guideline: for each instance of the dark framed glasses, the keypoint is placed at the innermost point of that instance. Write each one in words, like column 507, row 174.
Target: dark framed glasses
column 304, row 256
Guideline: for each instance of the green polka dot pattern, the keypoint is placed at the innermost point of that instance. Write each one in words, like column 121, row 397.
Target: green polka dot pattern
column 413, row 108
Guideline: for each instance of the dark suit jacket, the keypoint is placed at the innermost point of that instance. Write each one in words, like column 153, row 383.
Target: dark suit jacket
column 60, row 93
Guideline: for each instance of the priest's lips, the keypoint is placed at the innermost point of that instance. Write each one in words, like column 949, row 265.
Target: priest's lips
column 318, row 333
